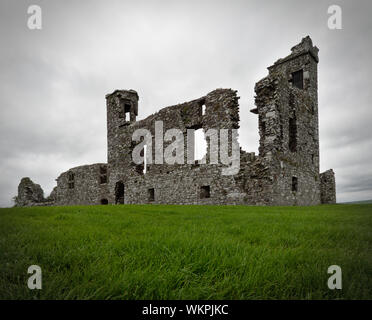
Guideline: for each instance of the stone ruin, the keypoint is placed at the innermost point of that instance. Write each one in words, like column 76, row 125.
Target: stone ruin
column 285, row 172
column 327, row 187
column 29, row 194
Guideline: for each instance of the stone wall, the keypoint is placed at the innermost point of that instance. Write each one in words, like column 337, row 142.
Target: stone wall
column 82, row 186
column 288, row 126
column 177, row 183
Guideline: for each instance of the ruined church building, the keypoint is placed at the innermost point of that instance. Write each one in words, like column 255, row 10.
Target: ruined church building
column 285, row 172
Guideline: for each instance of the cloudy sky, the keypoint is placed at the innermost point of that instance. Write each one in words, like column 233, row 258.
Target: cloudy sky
column 53, row 81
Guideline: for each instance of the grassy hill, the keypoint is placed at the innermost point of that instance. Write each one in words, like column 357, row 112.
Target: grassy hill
column 186, row 252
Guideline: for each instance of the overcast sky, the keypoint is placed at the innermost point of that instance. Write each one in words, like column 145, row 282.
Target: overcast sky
column 54, row 80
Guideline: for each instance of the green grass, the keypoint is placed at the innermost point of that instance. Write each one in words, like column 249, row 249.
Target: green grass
column 186, row 252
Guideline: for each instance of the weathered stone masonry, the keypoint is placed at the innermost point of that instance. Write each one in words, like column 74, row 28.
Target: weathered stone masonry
column 285, row 172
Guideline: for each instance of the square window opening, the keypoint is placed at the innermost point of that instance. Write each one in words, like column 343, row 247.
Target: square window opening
column 298, row 79
column 205, row 192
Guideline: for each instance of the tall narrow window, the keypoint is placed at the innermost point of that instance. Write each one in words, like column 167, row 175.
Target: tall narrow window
column 298, row 79
column 292, row 134
column 202, row 107
column 294, row 184
column 144, row 159
column 103, row 174
column 127, row 108
column 71, row 180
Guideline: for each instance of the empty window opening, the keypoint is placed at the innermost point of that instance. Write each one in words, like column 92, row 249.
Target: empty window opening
column 151, row 194
column 126, row 116
column 103, row 174
column 298, row 79
column 200, row 145
column 144, row 159
column 127, row 108
column 292, row 134
column 294, row 184
column 119, row 193
column 312, row 159
column 71, row 180
column 203, row 109
column 104, row 201
column 205, row 192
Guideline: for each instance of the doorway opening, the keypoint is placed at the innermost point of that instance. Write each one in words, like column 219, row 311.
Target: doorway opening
column 119, row 193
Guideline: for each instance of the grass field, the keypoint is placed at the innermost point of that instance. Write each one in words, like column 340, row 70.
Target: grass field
column 186, row 252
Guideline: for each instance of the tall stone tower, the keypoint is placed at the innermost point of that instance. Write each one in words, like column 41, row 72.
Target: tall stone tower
column 287, row 108
column 122, row 110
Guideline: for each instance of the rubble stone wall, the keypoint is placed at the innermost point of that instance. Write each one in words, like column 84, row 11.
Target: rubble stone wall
column 85, row 188
column 29, row 194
